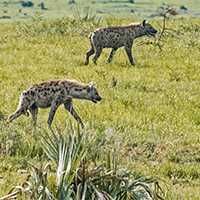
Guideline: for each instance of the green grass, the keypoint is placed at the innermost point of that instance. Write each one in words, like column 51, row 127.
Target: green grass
column 149, row 113
column 57, row 9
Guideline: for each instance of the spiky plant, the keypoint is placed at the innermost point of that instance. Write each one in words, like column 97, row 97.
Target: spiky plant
column 77, row 179
column 66, row 152
column 84, row 15
column 107, row 182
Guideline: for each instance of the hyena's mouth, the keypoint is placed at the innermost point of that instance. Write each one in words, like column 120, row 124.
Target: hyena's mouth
column 152, row 34
column 94, row 100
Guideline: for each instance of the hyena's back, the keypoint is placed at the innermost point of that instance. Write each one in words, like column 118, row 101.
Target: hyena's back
column 42, row 94
column 110, row 37
column 39, row 95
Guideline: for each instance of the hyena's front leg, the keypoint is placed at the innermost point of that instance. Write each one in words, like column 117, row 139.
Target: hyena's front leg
column 54, row 106
column 68, row 106
column 128, row 50
column 34, row 112
column 113, row 50
column 88, row 54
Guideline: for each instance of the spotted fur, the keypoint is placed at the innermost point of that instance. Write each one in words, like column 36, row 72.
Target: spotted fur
column 115, row 37
column 52, row 94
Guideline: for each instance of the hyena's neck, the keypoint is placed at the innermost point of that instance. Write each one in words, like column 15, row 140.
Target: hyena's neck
column 138, row 31
column 78, row 90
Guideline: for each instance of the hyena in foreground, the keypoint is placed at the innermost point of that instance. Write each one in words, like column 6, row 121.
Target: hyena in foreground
column 52, row 94
column 115, row 37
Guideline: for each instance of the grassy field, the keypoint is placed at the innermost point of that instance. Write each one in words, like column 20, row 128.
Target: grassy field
column 12, row 11
column 149, row 113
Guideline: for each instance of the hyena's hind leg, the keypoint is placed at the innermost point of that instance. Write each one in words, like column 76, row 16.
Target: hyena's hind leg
column 88, row 54
column 34, row 112
column 112, row 52
column 98, row 50
column 20, row 111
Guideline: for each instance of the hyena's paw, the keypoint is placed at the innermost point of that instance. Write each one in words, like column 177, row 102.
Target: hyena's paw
column 86, row 62
column 10, row 118
column 82, row 126
column 27, row 113
column 49, row 122
column 8, row 121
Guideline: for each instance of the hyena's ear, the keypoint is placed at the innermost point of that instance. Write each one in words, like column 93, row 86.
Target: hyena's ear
column 143, row 23
column 91, row 84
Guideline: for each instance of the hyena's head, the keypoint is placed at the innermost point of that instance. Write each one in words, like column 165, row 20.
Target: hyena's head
column 148, row 29
column 92, row 93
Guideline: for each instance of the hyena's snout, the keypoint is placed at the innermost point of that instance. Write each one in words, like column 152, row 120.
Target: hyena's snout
column 152, row 31
column 97, row 98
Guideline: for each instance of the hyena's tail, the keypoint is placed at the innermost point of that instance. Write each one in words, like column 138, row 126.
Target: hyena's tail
column 91, row 42
column 90, row 36
column 91, row 51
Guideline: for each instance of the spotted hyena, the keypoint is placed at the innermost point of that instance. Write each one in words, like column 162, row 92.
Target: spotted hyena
column 115, row 37
column 52, row 94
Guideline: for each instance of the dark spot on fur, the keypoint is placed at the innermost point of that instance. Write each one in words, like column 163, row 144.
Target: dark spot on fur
column 27, row 99
column 50, row 84
column 76, row 89
column 32, row 93
column 67, row 90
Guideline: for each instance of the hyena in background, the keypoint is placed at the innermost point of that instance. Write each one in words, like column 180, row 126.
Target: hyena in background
column 115, row 37
column 52, row 94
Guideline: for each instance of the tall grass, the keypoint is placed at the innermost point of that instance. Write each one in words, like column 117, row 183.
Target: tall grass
column 149, row 113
